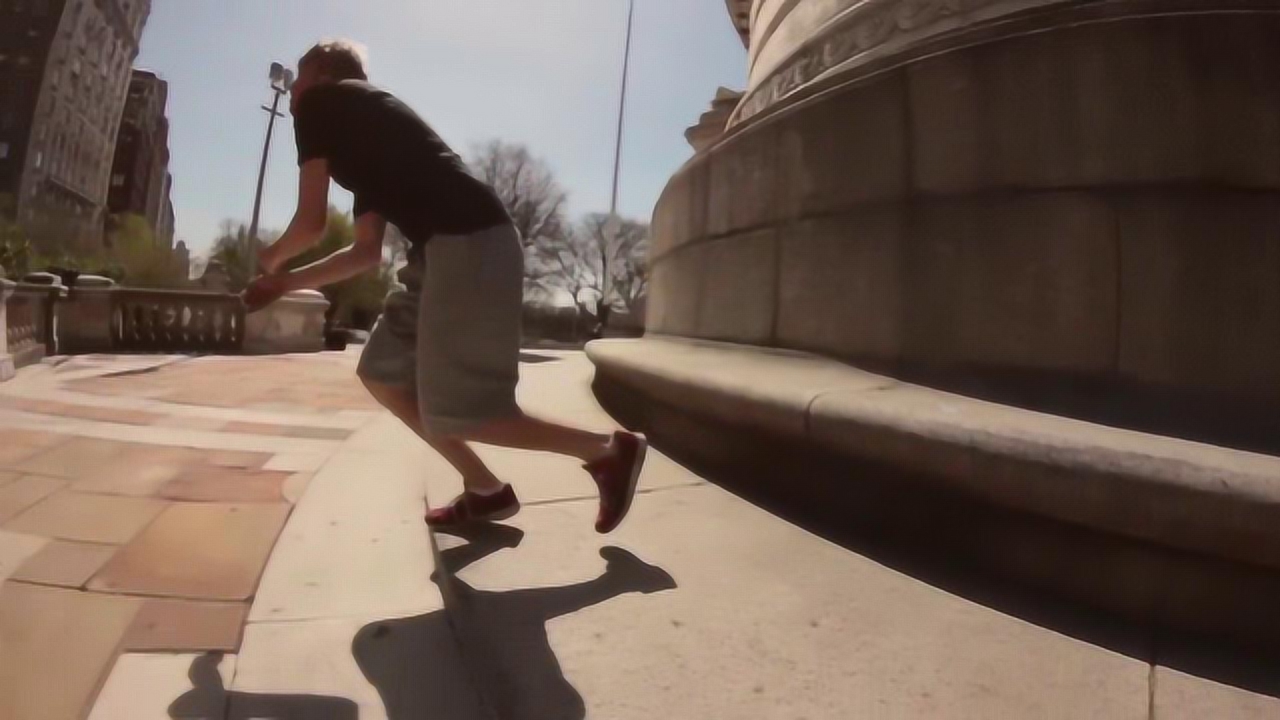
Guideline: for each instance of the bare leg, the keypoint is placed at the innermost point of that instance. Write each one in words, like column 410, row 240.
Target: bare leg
column 526, row 433
column 403, row 403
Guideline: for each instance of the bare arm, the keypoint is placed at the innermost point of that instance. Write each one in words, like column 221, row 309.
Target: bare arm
column 309, row 219
column 364, row 254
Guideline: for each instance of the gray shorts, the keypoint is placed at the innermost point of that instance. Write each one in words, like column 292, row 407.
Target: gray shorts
column 453, row 333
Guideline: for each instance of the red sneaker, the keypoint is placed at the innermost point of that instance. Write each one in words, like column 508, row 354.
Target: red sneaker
column 471, row 507
column 617, row 476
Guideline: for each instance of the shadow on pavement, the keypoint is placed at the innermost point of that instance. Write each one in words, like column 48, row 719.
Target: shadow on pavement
column 209, row 700
column 501, row 640
column 536, row 359
column 882, row 515
column 428, row 667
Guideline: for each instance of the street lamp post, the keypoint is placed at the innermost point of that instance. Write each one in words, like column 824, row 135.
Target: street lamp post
column 281, row 82
column 622, row 109
column 614, row 226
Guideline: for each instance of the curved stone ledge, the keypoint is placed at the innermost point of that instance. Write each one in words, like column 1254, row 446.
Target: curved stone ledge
column 1178, row 534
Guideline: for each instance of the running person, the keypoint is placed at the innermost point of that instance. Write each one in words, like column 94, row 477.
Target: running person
column 444, row 357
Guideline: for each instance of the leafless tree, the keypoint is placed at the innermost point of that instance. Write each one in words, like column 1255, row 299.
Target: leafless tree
column 527, row 187
column 602, row 258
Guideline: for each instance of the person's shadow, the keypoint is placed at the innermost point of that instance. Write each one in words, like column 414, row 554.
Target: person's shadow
column 489, row 656
column 210, row 700
column 501, row 640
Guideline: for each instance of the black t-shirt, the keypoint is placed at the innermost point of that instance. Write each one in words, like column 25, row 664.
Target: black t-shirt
column 393, row 162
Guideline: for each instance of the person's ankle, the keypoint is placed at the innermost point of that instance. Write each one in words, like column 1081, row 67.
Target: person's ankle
column 486, row 489
column 601, row 451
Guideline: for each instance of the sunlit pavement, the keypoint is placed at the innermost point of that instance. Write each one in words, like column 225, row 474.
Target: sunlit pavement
column 242, row 537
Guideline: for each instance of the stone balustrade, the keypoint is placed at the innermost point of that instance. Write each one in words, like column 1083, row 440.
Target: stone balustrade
column 41, row 317
column 293, row 324
column 176, row 321
column 30, row 323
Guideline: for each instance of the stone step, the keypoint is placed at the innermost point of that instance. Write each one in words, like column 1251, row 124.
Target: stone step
column 1164, row 530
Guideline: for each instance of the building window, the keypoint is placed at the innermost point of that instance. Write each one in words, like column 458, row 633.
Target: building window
column 39, row 159
column 4, row 151
column 117, row 180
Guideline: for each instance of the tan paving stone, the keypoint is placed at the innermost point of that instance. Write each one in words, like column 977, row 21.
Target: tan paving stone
column 121, row 416
column 295, row 431
column 186, row 625
column 140, row 470
column 65, row 564
column 7, row 477
column 17, row 446
column 76, row 459
column 236, row 458
column 233, row 485
column 58, row 648
column 191, row 422
column 16, row 549
column 318, row 433
column 160, row 687
column 24, row 492
column 296, row 486
column 88, row 518
column 209, row 551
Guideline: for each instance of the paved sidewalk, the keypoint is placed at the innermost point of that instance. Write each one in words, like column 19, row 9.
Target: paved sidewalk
column 700, row 606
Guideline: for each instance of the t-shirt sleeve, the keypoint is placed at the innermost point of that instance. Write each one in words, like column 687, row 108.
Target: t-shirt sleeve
column 311, row 128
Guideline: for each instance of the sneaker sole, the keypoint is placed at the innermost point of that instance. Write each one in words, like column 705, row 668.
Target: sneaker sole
column 633, row 482
column 499, row 516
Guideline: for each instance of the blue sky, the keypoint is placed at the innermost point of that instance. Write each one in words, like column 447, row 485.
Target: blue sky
column 541, row 72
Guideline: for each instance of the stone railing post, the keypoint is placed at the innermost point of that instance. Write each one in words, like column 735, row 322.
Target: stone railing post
column 84, row 323
column 7, row 370
column 293, row 324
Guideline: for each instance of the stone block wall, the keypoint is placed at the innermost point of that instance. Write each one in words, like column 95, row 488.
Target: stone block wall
column 1098, row 199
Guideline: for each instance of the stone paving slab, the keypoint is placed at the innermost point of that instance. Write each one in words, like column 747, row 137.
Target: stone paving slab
column 159, row 435
column 79, row 457
column 16, row 549
column 308, row 670
column 84, row 517
column 233, row 485
column 300, row 383
column 780, row 623
column 355, row 545
column 17, row 445
column 297, row 431
column 65, row 564
column 24, row 492
column 139, row 470
column 58, row 646
column 210, row 551
column 1179, row 696
column 185, row 625
column 7, row 477
column 160, row 687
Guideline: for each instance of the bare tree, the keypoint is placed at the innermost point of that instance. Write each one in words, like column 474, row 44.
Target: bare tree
column 602, row 258
column 527, row 187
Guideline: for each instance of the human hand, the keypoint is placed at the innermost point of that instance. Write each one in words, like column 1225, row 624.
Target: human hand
column 263, row 291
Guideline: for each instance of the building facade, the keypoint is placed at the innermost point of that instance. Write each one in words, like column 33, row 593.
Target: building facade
column 64, row 74
column 140, row 180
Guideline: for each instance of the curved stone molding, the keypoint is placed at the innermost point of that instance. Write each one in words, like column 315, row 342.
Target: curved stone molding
column 1088, row 193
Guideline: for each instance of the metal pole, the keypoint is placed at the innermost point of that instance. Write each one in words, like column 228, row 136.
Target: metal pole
column 622, row 109
column 262, row 176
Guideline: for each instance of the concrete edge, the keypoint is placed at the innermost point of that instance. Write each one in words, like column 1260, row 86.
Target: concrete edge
column 923, row 526
column 1200, row 498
